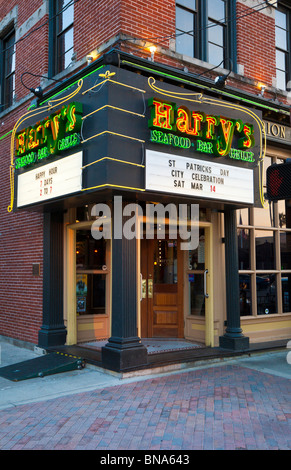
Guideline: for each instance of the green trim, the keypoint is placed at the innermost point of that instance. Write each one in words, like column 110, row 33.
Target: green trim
column 254, row 102
column 5, row 135
column 72, row 84
column 207, row 87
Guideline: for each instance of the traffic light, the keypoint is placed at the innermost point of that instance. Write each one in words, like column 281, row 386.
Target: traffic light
column 279, row 181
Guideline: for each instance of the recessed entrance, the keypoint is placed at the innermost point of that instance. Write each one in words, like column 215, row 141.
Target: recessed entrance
column 162, row 289
column 176, row 289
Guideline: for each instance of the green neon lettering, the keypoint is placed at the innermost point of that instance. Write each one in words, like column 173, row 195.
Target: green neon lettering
column 45, row 135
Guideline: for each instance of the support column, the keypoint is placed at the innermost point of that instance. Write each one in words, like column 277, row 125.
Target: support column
column 53, row 331
column 233, row 337
column 124, row 349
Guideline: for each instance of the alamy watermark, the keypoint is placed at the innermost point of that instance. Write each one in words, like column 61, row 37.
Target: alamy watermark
column 127, row 221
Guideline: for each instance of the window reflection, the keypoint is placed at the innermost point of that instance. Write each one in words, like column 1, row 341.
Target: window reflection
column 196, row 291
column 264, row 217
column 243, row 241
column 265, row 254
column 90, row 291
column 64, row 33
column 90, row 253
column 266, row 294
column 197, row 256
column 245, row 298
column 286, row 292
column 281, row 37
column 216, row 31
column 282, row 213
column 216, row 9
column 165, row 262
column 271, row 227
column 90, row 285
column 242, row 216
column 285, row 247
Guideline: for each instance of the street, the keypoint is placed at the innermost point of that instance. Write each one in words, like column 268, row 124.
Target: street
column 243, row 403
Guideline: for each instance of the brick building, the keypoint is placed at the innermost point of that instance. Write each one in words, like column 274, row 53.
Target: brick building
column 129, row 102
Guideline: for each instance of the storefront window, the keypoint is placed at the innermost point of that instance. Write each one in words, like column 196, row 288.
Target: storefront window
column 285, row 245
column 197, row 256
column 286, row 292
column 264, row 217
column 90, row 253
column 265, row 255
column 245, row 298
column 197, row 299
column 90, row 293
column 282, row 214
column 243, row 241
column 196, row 269
column 266, row 294
column 90, row 273
column 243, row 217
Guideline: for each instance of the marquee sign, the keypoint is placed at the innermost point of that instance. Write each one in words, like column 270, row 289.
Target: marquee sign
column 200, row 132
column 49, row 181
column 54, row 134
column 202, row 179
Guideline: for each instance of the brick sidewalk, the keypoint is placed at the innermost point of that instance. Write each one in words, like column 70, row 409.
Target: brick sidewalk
column 225, row 407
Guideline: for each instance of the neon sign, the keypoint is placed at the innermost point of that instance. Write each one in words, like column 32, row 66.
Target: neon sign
column 180, row 127
column 54, row 134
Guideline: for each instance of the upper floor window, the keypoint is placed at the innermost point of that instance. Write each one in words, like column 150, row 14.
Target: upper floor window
column 282, row 31
column 62, row 35
column 7, row 70
column 205, row 29
column 217, row 32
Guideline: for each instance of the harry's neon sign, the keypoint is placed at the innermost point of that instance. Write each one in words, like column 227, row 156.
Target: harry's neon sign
column 55, row 133
column 213, row 134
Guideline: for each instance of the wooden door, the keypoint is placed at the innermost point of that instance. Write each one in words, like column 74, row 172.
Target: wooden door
column 162, row 281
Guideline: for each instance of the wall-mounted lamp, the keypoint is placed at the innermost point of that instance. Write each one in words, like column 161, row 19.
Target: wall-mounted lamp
column 91, row 56
column 263, row 88
column 152, row 51
column 221, row 81
column 89, row 59
column 38, row 91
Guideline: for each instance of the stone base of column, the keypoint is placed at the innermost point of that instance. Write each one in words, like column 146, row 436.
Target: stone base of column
column 51, row 337
column 124, row 354
column 240, row 343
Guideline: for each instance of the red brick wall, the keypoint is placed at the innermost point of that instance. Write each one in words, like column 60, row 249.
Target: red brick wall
column 20, row 247
column 256, row 45
column 94, row 23
column 151, row 19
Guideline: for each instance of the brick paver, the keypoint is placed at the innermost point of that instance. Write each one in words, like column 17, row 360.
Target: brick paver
column 225, row 407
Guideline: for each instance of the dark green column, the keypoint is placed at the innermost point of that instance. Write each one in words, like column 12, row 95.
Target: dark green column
column 53, row 331
column 124, row 350
column 233, row 337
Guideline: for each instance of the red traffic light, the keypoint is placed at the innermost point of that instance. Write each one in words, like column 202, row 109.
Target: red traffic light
column 279, row 181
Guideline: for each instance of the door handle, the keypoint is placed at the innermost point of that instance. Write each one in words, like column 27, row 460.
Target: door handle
column 205, row 284
column 143, row 288
column 140, row 287
column 150, row 288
